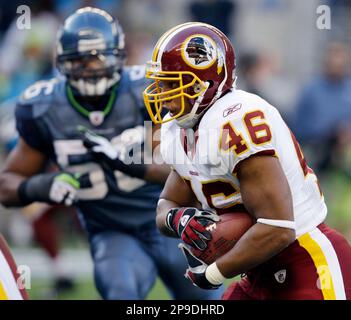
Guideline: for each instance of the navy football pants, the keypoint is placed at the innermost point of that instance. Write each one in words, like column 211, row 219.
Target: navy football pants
column 126, row 265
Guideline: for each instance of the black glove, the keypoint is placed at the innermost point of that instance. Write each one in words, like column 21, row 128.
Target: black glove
column 196, row 272
column 57, row 187
column 109, row 155
column 189, row 224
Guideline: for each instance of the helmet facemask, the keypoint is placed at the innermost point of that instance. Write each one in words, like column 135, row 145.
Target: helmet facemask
column 193, row 89
column 93, row 74
column 172, row 85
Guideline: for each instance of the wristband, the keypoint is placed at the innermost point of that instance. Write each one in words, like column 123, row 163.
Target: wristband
column 169, row 221
column 35, row 188
column 22, row 195
column 213, row 275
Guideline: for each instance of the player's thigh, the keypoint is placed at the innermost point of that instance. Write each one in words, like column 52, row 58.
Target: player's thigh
column 318, row 269
column 172, row 265
column 331, row 256
column 123, row 270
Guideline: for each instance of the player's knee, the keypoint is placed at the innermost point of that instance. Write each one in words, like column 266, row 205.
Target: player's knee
column 115, row 293
column 114, row 288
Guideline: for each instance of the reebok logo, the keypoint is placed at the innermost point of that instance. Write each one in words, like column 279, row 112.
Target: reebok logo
column 231, row 110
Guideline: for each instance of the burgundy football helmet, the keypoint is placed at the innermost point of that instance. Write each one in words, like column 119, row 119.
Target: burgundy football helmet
column 200, row 59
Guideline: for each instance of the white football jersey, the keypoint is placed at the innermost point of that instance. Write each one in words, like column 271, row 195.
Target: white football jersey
column 236, row 127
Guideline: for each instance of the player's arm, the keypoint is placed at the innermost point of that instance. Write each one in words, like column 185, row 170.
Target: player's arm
column 21, row 182
column 156, row 173
column 22, row 162
column 178, row 213
column 176, row 193
column 266, row 194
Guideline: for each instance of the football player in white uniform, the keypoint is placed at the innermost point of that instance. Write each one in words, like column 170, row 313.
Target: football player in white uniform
column 232, row 151
column 11, row 286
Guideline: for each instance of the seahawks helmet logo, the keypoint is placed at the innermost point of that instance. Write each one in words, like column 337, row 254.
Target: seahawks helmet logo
column 199, row 51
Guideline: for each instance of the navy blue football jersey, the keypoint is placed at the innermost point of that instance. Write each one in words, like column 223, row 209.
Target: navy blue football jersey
column 48, row 120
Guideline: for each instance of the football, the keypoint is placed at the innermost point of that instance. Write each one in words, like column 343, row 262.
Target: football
column 225, row 233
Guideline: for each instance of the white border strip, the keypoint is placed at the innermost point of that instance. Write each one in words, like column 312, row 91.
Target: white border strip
column 333, row 262
column 8, row 280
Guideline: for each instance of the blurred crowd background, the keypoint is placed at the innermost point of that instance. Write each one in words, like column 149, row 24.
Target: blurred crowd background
column 282, row 55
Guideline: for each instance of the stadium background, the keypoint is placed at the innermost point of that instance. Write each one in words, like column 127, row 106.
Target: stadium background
column 281, row 53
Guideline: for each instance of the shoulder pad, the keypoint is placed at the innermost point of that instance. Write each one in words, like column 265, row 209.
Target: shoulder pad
column 37, row 98
column 232, row 107
column 42, row 89
column 135, row 76
column 135, row 73
column 134, row 82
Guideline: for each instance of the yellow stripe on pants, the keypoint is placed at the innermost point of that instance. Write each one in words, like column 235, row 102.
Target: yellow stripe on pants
column 320, row 262
column 3, row 295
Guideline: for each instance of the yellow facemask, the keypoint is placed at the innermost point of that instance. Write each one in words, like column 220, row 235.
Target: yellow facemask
column 155, row 95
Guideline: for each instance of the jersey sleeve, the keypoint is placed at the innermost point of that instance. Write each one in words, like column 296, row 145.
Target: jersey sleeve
column 30, row 128
column 246, row 135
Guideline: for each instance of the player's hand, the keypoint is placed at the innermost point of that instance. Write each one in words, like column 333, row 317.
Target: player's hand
column 58, row 187
column 99, row 146
column 110, row 156
column 190, row 225
column 196, row 272
column 64, row 189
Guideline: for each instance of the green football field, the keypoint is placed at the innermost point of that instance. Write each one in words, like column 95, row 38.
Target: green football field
column 85, row 290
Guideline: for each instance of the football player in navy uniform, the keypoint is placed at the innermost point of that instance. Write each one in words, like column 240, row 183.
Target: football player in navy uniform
column 90, row 121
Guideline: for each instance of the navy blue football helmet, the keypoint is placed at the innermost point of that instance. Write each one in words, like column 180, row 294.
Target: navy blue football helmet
column 90, row 51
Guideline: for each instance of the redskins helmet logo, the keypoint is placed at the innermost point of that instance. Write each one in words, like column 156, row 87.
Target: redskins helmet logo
column 199, row 51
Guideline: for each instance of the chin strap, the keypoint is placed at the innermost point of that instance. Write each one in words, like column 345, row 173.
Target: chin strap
column 190, row 119
column 278, row 223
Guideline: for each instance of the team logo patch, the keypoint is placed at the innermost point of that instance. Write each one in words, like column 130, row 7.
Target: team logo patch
column 280, row 276
column 96, row 118
column 199, row 51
